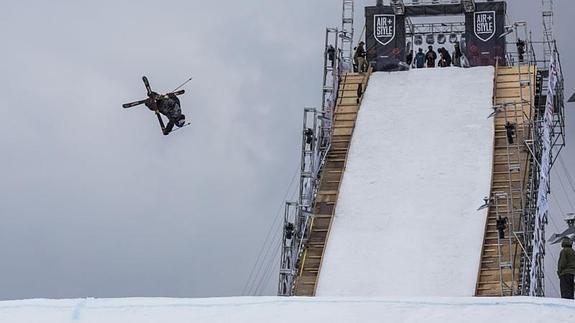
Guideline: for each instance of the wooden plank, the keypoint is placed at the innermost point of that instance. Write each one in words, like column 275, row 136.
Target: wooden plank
column 511, row 78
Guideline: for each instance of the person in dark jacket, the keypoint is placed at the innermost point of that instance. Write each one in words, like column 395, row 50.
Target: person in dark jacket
column 430, row 57
column 168, row 105
column 360, row 55
column 520, row 49
column 510, row 130
column 331, row 54
column 442, row 61
column 457, row 54
column 409, row 58
column 420, row 59
column 566, row 269
column 446, row 56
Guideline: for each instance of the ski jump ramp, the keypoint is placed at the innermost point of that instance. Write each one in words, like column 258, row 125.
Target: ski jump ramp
column 406, row 222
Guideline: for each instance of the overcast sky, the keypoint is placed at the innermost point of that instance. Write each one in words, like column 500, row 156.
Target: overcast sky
column 94, row 201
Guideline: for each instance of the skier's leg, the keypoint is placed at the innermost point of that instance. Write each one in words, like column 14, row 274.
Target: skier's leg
column 169, row 128
column 161, row 122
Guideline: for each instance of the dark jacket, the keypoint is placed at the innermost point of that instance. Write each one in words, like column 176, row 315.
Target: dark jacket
column 360, row 52
column 170, row 107
column 431, row 56
column 447, row 57
column 420, row 60
column 566, row 263
column 457, row 56
column 409, row 58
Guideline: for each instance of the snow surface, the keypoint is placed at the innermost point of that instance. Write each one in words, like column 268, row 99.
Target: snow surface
column 406, row 221
column 293, row 309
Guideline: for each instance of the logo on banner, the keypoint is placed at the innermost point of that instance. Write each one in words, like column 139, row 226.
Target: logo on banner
column 485, row 25
column 384, row 28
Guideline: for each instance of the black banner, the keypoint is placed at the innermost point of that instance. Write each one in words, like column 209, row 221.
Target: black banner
column 384, row 35
column 483, row 30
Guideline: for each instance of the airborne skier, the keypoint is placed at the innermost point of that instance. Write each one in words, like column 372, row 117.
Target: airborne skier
column 167, row 104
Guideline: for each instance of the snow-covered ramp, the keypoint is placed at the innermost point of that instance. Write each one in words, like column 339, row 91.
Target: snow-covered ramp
column 281, row 309
column 420, row 162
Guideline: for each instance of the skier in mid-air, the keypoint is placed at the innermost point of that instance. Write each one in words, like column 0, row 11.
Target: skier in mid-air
column 166, row 104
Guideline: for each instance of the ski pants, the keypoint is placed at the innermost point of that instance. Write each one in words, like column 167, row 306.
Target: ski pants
column 361, row 64
column 567, row 286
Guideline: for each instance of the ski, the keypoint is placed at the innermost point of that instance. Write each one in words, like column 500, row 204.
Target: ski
column 136, row 103
column 180, row 92
column 133, row 104
column 147, row 84
column 185, row 125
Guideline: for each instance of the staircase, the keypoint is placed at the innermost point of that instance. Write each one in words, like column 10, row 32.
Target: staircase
column 499, row 271
column 346, row 111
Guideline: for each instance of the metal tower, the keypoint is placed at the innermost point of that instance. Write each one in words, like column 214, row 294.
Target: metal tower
column 547, row 13
column 346, row 33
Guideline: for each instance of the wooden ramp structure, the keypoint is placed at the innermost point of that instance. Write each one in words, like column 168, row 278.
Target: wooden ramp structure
column 351, row 88
column 501, row 265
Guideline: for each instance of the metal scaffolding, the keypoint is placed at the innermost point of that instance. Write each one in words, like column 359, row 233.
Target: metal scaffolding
column 316, row 141
column 347, row 31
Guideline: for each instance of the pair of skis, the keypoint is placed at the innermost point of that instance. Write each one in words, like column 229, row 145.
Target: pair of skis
column 149, row 93
column 151, row 100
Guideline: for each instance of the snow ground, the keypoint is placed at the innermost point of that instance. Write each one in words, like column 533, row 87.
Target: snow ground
column 276, row 309
column 420, row 164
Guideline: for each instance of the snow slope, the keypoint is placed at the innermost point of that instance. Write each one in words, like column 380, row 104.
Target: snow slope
column 276, row 309
column 419, row 165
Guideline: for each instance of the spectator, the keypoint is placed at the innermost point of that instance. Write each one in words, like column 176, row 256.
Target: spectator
column 457, row 54
column 566, row 269
column 446, row 56
column 409, row 58
column 420, row 59
column 430, row 57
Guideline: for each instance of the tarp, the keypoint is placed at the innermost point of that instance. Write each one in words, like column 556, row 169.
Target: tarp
column 536, row 287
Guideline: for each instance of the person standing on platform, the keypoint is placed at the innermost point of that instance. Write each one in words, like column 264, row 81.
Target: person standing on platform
column 566, row 269
column 430, row 57
column 446, row 57
column 331, row 55
column 361, row 55
column 457, row 54
column 409, row 58
column 420, row 59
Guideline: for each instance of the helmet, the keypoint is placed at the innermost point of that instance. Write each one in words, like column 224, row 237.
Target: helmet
column 181, row 122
